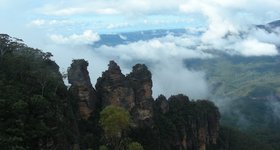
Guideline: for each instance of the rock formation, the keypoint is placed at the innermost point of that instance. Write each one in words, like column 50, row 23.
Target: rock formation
column 162, row 104
column 197, row 122
column 114, row 89
column 140, row 80
column 133, row 92
column 81, row 87
column 192, row 125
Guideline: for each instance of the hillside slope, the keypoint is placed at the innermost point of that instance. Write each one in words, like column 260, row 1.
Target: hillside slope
column 246, row 89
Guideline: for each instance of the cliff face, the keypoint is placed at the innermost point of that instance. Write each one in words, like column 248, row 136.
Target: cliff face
column 196, row 122
column 81, row 88
column 114, row 89
column 133, row 92
column 162, row 104
column 140, row 80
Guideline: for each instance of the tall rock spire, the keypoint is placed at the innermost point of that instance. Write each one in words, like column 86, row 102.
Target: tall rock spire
column 81, row 87
column 133, row 92
column 140, row 80
column 114, row 89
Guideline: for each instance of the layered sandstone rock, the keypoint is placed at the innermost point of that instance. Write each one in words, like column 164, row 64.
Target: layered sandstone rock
column 133, row 92
column 140, row 80
column 81, row 88
column 114, row 89
column 162, row 104
column 197, row 122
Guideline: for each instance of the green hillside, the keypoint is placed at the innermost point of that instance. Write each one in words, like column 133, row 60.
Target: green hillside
column 248, row 91
column 33, row 102
column 237, row 76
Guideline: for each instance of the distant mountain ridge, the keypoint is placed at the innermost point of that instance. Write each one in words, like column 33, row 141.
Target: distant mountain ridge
column 130, row 37
column 270, row 26
column 274, row 24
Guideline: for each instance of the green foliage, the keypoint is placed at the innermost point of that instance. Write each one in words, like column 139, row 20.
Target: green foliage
column 270, row 137
column 32, row 96
column 233, row 139
column 103, row 147
column 167, row 132
column 135, row 146
column 235, row 76
column 90, row 132
column 147, row 136
column 247, row 87
column 114, row 120
column 183, row 119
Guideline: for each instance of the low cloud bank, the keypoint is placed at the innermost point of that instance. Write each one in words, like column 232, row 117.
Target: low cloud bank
column 164, row 57
column 87, row 37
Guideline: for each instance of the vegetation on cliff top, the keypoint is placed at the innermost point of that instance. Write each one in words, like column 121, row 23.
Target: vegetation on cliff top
column 32, row 99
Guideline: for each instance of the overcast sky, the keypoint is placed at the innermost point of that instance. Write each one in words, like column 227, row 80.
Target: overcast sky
column 103, row 16
column 65, row 27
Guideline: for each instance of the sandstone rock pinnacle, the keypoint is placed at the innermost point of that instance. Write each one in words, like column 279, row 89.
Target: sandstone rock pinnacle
column 113, row 89
column 81, row 87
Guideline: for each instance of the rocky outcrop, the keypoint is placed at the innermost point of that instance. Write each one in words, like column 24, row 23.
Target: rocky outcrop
column 207, row 124
column 140, row 79
column 162, row 104
column 191, row 125
column 133, row 92
column 196, row 122
column 114, row 89
column 81, row 88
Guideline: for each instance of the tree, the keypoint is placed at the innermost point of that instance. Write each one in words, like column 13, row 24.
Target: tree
column 32, row 99
column 103, row 147
column 135, row 146
column 9, row 44
column 114, row 121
